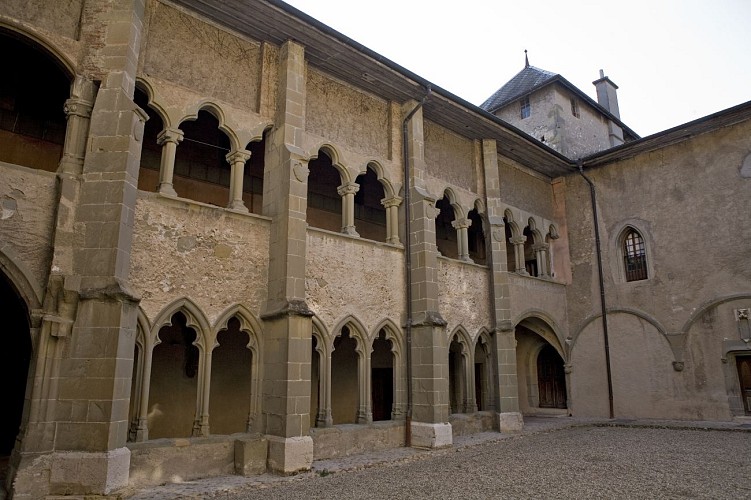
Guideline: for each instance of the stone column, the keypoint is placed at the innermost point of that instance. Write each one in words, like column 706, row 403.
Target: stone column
column 365, row 407
column 462, row 239
column 502, row 350
column 169, row 138
column 541, row 255
column 470, row 403
column 392, row 219
column 324, row 418
column 287, row 318
column 237, row 160
column 430, row 394
column 518, row 243
column 347, row 192
column 78, row 115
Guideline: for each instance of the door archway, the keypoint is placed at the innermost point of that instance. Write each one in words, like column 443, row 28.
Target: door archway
column 15, row 357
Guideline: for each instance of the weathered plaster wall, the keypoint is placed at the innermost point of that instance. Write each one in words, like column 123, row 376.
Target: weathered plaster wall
column 685, row 225
column 535, row 295
column 344, row 115
column 216, row 63
column 59, row 17
column 529, row 192
column 212, row 256
column 463, row 290
column 580, row 136
column 27, row 218
column 449, row 156
column 347, row 276
column 541, row 122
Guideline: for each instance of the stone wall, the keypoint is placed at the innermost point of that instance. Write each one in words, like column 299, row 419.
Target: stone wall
column 450, row 157
column 185, row 249
column 464, row 301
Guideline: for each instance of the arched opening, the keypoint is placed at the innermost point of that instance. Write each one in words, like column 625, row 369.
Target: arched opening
column 382, row 378
column 344, row 379
column 151, row 151
column 456, row 376
column 174, row 381
column 324, row 203
column 229, row 404
column 530, row 258
column 33, row 91
column 476, row 238
column 482, row 377
column 540, row 368
column 445, row 233
column 253, row 176
column 370, row 215
column 15, row 357
column 202, row 172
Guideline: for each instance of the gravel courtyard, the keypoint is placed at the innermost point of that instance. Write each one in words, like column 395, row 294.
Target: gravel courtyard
column 581, row 462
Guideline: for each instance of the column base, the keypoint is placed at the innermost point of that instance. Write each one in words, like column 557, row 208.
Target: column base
column 511, row 421
column 290, row 455
column 431, row 435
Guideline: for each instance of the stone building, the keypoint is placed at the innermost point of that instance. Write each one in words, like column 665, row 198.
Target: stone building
column 212, row 261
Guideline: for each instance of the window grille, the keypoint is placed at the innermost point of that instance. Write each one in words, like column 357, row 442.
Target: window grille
column 574, row 107
column 634, row 256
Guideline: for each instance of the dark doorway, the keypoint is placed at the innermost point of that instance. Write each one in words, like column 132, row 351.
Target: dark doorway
column 14, row 367
column 551, row 379
column 383, row 393
column 744, row 375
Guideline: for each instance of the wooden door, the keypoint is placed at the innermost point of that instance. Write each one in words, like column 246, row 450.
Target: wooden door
column 551, row 379
column 744, row 376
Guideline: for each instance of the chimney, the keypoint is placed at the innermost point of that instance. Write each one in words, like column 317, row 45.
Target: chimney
column 606, row 94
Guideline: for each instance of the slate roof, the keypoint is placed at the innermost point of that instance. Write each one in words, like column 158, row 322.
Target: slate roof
column 525, row 81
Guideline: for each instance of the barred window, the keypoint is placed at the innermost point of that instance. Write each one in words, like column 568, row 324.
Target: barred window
column 634, row 256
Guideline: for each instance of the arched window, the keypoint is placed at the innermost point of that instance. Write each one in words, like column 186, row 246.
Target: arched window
column 634, row 256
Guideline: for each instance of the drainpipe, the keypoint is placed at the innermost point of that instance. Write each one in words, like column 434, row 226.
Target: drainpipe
column 408, row 266
column 598, row 250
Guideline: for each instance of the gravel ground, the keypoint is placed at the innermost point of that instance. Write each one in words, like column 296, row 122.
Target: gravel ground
column 580, row 462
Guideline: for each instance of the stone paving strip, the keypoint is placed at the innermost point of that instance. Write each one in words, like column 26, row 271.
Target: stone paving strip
column 551, row 458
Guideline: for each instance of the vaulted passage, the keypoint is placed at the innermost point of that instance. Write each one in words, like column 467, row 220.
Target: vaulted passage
column 15, row 356
column 174, row 381
column 230, row 381
column 540, row 369
column 344, row 379
column 33, row 91
column 382, row 372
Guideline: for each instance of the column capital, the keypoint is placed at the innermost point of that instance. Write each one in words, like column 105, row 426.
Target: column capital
column 348, row 188
column 237, row 155
column 394, row 201
column 174, row 135
column 519, row 240
column 461, row 223
column 540, row 246
column 78, row 107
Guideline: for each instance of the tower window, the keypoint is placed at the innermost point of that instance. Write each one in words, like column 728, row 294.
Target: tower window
column 524, row 108
column 634, row 256
column 575, row 107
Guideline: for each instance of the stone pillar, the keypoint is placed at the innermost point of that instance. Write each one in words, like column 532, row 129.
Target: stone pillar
column 503, row 345
column 541, row 255
column 518, row 243
column 430, row 391
column 392, row 219
column 365, row 407
column 169, row 138
column 347, row 192
column 237, row 161
column 324, row 418
column 287, row 319
column 78, row 116
column 462, row 239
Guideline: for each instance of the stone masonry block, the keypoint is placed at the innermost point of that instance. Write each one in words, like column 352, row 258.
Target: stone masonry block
column 250, row 455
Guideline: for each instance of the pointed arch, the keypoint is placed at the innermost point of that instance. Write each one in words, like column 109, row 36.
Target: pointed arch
column 196, row 319
column 18, row 274
column 336, row 161
column 215, row 110
column 147, row 87
column 248, row 324
column 393, row 333
column 543, row 325
column 357, row 332
column 388, row 187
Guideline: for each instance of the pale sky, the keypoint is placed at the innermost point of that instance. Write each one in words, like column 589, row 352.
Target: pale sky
column 673, row 60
